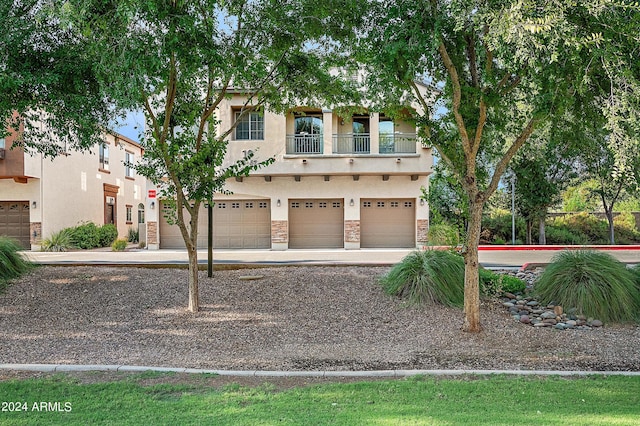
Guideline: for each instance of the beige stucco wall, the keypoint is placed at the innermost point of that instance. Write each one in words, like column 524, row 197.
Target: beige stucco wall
column 69, row 189
column 350, row 176
column 278, row 126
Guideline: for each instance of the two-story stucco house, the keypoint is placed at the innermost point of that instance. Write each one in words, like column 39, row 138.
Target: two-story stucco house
column 337, row 182
column 40, row 196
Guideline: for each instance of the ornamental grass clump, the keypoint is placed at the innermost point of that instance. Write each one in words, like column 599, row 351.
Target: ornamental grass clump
column 594, row 283
column 12, row 265
column 428, row 277
column 59, row 241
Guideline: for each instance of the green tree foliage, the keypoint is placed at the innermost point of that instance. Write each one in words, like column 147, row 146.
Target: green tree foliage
column 612, row 184
column 48, row 86
column 543, row 169
column 579, row 197
column 490, row 72
column 178, row 60
column 447, row 202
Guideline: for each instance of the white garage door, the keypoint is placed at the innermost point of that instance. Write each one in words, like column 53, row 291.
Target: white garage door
column 316, row 223
column 14, row 221
column 387, row 223
column 236, row 224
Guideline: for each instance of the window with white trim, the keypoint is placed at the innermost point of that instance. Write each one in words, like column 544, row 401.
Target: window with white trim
column 104, row 156
column 250, row 126
column 129, row 159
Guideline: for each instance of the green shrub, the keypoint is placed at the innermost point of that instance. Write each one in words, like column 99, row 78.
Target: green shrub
column 119, row 245
column 594, row 230
column 561, row 235
column 496, row 227
column 443, row 235
column 86, row 235
column 594, row 283
column 494, row 284
column 108, row 234
column 59, row 241
column 12, row 264
column 430, row 276
column 133, row 235
column 624, row 226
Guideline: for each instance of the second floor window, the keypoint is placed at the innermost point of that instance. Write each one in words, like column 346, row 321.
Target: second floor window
column 250, row 126
column 129, row 159
column 104, row 156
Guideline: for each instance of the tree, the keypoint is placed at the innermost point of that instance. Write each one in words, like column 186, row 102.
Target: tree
column 46, row 77
column 177, row 60
column 497, row 70
column 446, row 201
column 543, row 170
column 611, row 184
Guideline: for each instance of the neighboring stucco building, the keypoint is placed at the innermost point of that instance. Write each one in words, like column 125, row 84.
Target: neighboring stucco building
column 336, row 182
column 39, row 196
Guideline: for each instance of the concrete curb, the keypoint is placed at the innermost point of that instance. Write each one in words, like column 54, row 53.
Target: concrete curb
column 52, row 368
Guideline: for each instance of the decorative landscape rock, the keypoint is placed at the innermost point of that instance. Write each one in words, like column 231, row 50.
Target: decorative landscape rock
column 527, row 310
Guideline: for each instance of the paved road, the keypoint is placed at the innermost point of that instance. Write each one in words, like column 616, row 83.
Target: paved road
column 490, row 256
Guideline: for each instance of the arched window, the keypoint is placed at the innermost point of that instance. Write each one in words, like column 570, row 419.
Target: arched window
column 140, row 213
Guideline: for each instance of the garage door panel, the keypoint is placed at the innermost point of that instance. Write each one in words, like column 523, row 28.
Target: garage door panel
column 236, row 224
column 316, row 223
column 387, row 223
column 15, row 221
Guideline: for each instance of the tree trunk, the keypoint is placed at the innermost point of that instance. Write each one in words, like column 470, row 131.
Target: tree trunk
column 612, row 237
column 529, row 226
column 542, row 235
column 194, row 304
column 471, row 266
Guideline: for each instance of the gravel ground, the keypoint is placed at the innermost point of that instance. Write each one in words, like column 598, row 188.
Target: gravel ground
column 292, row 318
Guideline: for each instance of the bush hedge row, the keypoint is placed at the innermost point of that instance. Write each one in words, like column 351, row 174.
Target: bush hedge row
column 87, row 235
column 572, row 229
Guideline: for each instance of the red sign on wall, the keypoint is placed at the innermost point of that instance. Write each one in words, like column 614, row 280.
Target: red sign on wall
column 152, row 193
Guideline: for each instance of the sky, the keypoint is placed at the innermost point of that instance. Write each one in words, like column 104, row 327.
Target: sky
column 131, row 126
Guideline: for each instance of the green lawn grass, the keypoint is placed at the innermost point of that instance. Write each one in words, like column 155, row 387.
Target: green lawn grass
column 494, row 400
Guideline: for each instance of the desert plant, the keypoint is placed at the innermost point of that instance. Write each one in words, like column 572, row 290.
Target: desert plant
column 58, row 241
column 119, row 244
column 430, row 276
column 494, row 284
column 107, row 234
column 133, row 235
column 12, row 264
column 86, row 235
column 594, row 283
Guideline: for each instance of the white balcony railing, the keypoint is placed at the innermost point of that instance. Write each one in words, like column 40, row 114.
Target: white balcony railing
column 304, row 144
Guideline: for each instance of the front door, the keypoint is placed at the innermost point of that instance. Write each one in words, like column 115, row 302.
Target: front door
column 110, row 203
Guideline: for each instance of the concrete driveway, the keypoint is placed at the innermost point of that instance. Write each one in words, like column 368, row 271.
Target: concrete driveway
column 490, row 256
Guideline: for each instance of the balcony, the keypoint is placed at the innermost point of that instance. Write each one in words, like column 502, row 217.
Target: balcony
column 304, row 144
column 398, row 143
column 350, row 143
